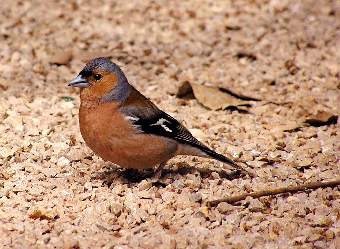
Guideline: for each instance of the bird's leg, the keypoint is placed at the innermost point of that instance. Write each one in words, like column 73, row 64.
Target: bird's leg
column 158, row 171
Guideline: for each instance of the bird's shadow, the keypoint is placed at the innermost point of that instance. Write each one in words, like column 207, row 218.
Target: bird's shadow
column 111, row 175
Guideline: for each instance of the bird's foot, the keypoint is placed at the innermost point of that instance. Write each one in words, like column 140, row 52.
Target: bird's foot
column 158, row 172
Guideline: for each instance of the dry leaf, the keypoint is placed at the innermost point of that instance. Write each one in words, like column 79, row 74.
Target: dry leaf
column 287, row 126
column 42, row 215
column 213, row 98
column 322, row 118
column 290, row 126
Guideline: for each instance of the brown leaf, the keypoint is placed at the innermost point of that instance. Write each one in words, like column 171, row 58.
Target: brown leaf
column 290, row 126
column 212, row 97
column 285, row 126
column 322, row 118
column 41, row 215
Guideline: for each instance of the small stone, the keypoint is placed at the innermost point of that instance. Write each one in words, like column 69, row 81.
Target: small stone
column 67, row 105
column 115, row 208
column 293, row 199
column 256, row 206
column 85, row 196
column 144, row 185
column 329, row 234
column 61, row 57
column 255, row 153
column 6, row 152
column 204, row 211
column 215, row 175
column 247, row 157
column 225, row 208
column 16, row 123
column 88, row 186
column 196, row 197
column 179, row 184
column 144, row 194
column 304, row 163
column 197, row 133
column 152, row 210
column 324, row 221
column 63, row 161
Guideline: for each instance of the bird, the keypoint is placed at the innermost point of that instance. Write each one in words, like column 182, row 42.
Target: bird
column 124, row 127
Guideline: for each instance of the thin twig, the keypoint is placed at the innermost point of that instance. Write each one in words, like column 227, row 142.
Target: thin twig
column 277, row 191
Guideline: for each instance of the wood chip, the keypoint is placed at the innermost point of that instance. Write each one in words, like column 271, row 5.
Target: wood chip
column 62, row 57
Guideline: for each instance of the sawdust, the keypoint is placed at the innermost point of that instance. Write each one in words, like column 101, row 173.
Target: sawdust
column 55, row 193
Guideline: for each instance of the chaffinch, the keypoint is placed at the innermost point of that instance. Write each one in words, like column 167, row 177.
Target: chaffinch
column 124, row 127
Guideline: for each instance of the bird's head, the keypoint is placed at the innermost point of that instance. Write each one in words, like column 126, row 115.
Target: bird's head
column 101, row 79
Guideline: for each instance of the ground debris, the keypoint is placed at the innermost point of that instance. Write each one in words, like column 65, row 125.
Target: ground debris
column 266, row 76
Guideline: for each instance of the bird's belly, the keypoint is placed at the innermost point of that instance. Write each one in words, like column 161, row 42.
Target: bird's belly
column 139, row 153
column 125, row 148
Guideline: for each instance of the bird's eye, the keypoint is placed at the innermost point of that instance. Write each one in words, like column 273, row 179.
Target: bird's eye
column 97, row 76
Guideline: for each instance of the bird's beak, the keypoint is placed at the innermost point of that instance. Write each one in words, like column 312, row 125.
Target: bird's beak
column 79, row 81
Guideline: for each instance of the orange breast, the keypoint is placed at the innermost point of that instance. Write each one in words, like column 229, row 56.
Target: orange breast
column 112, row 137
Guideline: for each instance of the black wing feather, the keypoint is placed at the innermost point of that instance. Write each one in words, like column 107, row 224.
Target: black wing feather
column 163, row 124
column 154, row 121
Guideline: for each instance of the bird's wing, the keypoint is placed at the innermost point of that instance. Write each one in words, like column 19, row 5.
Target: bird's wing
column 151, row 120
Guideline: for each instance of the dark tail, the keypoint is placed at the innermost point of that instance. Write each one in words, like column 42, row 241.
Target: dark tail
column 217, row 156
